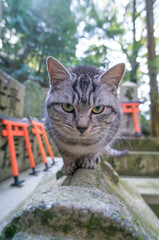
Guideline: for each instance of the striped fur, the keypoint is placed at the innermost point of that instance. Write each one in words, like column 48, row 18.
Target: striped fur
column 83, row 87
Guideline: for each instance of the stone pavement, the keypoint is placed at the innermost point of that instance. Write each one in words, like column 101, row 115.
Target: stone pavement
column 11, row 197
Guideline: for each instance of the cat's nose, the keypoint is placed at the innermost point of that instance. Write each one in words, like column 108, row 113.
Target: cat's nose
column 82, row 129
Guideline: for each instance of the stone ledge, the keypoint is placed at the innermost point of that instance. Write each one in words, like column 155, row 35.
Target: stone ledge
column 137, row 164
column 86, row 206
column 137, row 143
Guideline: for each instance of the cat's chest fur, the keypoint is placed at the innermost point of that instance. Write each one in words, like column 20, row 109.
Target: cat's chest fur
column 78, row 147
column 82, row 111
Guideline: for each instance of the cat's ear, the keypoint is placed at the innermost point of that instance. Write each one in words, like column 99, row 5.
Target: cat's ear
column 113, row 76
column 56, row 70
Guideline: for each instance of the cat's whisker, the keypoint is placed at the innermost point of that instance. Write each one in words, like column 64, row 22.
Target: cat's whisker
column 119, row 136
column 130, row 145
column 67, row 126
column 78, row 101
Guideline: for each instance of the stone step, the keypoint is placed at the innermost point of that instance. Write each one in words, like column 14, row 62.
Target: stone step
column 137, row 144
column 151, row 153
column 137, row 163
column 149, row 189
column 146, row 186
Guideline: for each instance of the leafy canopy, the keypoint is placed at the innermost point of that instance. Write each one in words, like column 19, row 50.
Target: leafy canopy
column 33, row 30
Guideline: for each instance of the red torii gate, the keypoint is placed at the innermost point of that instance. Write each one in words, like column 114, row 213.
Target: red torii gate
column 132, row 107
column 17, row 128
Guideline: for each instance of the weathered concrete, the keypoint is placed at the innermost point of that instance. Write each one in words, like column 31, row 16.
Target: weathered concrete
column 145, row 185
column 143, row 158
column 35, row 96
column 88, row 205
column 12, row 95
column 149, row 189
column 137, row 164
column 137, row 144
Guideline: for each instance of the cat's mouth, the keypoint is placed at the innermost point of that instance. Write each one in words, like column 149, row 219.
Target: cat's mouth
column 77, row 132
column 83, row 135
column 82, row 132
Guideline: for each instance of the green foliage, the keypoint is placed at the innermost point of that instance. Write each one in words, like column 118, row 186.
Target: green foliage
column 145, row 124
column 33, row 30
column 99, row 23
column 129, row 93
column 106, row 23
column 95, row 56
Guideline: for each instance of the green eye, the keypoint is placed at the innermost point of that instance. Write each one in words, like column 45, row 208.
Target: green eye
column 67, row 107
column 97, row 109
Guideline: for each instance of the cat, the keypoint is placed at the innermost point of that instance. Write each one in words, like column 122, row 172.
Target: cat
column 83, row 112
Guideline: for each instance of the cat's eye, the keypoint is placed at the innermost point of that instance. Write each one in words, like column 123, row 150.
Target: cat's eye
column 67, row 107
column 98, row 109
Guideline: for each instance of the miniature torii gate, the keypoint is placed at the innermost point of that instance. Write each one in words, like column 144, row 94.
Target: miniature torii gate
column 132, row 107
column 17, row 128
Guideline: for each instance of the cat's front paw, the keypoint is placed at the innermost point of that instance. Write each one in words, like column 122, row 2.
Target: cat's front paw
column 69, row 168
column 89, row 163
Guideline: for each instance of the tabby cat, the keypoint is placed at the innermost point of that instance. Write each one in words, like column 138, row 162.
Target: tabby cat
column 82, row 112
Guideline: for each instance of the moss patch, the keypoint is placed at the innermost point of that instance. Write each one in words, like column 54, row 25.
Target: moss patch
column 45, row 217
column 66, row 228
column 10, row 232
column 59, row 174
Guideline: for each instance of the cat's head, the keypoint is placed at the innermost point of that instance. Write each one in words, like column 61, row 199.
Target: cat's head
column 82, row 101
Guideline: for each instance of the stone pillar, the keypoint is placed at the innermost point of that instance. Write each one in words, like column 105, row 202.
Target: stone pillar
column 129, row 93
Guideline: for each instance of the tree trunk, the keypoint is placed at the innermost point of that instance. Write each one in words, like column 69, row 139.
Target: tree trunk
column 133, row 62
column 152, row 68
column 0, row 18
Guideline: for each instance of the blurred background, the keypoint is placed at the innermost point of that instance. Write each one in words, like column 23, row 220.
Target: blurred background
column 82, row 32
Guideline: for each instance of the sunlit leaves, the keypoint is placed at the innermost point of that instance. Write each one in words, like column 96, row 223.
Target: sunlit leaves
column 33, row 30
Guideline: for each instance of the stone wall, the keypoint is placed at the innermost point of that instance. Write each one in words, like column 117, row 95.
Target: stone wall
column 139, row 164
column 137, row 144
column 35, row 97
column 143, row 159
column 13, row 101
column 12, row 95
